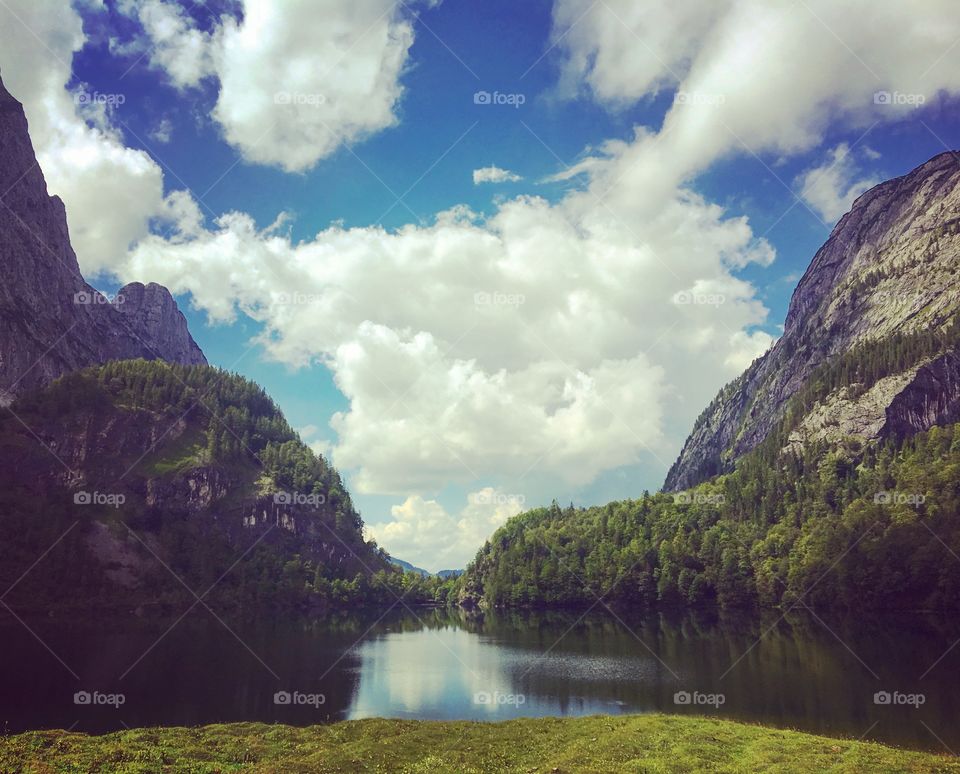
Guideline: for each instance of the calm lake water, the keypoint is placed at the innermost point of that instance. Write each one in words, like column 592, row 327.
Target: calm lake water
column 801, row 672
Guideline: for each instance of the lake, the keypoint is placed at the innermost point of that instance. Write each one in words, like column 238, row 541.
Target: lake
column 895, row 680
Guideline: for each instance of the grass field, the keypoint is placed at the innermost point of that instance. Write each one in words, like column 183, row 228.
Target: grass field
column 639, row 743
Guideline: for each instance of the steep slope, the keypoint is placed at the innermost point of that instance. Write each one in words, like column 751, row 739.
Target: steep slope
column 890, row 267
column 51, row 320
column 187, row 467
column 844, row 527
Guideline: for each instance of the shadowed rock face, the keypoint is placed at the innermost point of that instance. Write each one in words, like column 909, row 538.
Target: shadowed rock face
column 892, row 264
column 51, row 320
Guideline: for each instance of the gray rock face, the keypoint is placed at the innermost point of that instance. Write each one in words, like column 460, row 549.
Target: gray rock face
column 892, row 264
column 51, row 320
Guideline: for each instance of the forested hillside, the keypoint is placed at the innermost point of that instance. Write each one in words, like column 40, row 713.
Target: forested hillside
column 846, row 527
column 134, row 465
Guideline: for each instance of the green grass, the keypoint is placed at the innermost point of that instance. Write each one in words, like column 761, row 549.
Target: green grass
column 179, row 455
column 638, row 743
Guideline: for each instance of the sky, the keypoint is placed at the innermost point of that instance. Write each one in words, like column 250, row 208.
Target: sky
column 482, row 254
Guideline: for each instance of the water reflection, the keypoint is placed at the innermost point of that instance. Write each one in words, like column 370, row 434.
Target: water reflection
column 800, row 671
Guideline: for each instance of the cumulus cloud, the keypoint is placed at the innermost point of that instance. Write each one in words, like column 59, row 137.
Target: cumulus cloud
column 832, row 187
column 174, row 43
column 621, row 51
column 297, row 80
column 546, row 340
column 752, row 76
column 163, row 132
column 300, row 79
column 494, row 174
column 424, row 529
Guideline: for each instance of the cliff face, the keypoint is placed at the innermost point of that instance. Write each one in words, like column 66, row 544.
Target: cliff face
column 889, row 267
column 51, row 320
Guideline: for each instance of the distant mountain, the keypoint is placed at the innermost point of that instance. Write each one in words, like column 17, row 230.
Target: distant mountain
column 889, row 271
column 407, row 567
column 53, row 322
column 449, row 573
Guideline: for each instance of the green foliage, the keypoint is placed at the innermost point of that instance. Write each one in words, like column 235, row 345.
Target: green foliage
column 234, row 433
column 858, row 370
column 846, row 527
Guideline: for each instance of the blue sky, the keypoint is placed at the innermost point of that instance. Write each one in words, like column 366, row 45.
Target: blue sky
column 181, row 127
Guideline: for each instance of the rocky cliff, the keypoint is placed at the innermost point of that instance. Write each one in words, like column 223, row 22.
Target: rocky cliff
column 52, row 320
column 890, row 268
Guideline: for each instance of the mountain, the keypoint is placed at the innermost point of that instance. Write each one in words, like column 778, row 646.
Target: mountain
column 889, row 269
column 441, row 574
column 827, row 475
column 131, row 468
column 54, row 322
column 407, row 567
column 140, row 473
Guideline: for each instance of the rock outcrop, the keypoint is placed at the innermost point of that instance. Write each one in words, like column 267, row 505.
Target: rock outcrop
column 51, row 320
column 891, row 266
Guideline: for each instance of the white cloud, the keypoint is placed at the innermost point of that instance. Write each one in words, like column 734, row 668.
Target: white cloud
column 545, row 339
column 174, row 44
column 755, row 76
column 832, row 187
column 621, row 50
column 438, row 540
column 163, row 132
column 494, row 174
column 297, row 80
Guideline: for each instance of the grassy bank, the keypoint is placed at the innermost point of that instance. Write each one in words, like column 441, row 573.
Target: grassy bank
column 640, row 743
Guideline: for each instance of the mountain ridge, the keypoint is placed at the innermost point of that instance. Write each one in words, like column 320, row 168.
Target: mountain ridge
column 53, row 321
column 888, row 266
